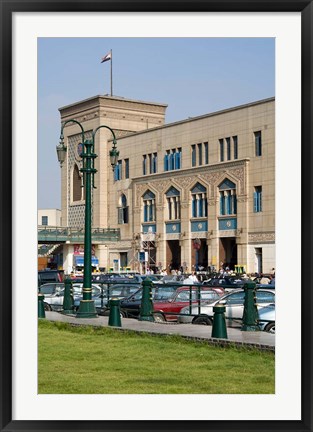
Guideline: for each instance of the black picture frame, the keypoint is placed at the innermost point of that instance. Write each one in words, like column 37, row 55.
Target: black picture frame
column 7, row 9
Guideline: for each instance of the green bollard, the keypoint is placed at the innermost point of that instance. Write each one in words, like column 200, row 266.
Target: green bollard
column 115, row 315
column 250, row 311
column 146, row 309
column 68, row 301
column 219, row 323
column 41, row 306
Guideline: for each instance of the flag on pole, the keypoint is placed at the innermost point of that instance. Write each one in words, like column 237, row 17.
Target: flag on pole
column 106, row 57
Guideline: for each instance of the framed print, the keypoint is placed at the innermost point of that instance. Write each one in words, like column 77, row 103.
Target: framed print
column 24, row 28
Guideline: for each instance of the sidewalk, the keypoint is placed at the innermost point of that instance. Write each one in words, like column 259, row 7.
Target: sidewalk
column 260, row 339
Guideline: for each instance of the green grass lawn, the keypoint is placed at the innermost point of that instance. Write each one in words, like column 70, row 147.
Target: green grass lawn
column 87, row 360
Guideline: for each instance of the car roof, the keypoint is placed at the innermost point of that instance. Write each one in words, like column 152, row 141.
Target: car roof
column 196, row 287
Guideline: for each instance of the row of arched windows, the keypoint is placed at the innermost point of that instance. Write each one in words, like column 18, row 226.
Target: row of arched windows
column 199, row 202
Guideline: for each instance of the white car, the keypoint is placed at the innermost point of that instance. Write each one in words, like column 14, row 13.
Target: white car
column 234, row 304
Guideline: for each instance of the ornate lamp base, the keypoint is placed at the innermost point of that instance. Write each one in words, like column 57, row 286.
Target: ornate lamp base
column 87, row 309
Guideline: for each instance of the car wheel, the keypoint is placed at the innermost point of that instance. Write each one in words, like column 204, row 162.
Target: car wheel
column 202, row 321
column 270, row 328
column 123, row 313
column 48, row 308
column 158, row 317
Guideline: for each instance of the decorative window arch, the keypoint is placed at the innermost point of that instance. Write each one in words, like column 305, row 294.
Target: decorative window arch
column 122, row 210
column 199, row 201
column 148, row 206
column 173, row 203
column 77, row 183
column 228, row 199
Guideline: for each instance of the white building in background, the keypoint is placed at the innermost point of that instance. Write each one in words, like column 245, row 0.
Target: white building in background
column 49, row 217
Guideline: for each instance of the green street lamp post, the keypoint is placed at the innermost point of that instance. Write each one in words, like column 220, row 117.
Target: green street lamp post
column 87, row 307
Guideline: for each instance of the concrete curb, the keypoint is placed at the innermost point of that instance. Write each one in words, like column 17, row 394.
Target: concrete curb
column 236, row 338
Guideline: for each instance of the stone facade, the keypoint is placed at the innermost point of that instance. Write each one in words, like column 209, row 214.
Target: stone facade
column 174, row 195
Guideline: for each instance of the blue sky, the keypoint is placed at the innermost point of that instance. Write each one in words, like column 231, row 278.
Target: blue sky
column 194, row 76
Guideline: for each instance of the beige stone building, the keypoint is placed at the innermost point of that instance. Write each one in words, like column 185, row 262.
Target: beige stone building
column 194, row 193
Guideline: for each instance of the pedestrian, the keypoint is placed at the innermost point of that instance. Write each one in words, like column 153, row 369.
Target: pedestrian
column 190, row 280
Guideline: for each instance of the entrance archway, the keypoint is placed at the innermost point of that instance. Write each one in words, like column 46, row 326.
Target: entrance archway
column 173, row 255
column 228, row 252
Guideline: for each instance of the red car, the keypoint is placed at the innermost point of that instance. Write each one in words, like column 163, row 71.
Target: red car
column 181, row 298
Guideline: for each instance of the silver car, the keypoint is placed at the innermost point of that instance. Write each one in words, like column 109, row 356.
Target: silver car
column 54, row 294
column 234, row 304
column 267, row 318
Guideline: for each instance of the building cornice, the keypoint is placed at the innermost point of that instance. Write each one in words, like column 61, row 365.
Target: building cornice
column 204, row 169
column 97, row 103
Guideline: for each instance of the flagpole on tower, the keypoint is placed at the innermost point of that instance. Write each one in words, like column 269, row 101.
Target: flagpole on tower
column 105, row 59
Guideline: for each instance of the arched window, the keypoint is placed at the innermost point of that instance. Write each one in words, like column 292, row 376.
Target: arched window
column 148, row 207
column 77, row 190
column 173, row 203
column 123, row 210
column 228, row 199
column 199, row 202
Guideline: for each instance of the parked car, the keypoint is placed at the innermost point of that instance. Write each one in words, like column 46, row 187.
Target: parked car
column 119, row 290
column 267, row 318
column 185, row 295
column 48, row 275
column 228, row 283
column 54, row 294
column 107, row 292
column 130, row 307
column 167, row 299
column 234, row 303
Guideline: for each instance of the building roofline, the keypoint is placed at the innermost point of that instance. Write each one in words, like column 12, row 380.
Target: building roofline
column 190, row 119
column 108, row 97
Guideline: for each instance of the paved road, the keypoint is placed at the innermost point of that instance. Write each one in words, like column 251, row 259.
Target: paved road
column 260, row 339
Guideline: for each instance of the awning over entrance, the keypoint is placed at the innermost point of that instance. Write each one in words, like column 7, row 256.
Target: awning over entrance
column 79, row 260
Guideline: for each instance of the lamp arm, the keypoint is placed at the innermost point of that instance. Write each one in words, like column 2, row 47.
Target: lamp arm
column 73, row 121
column 103, row 126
